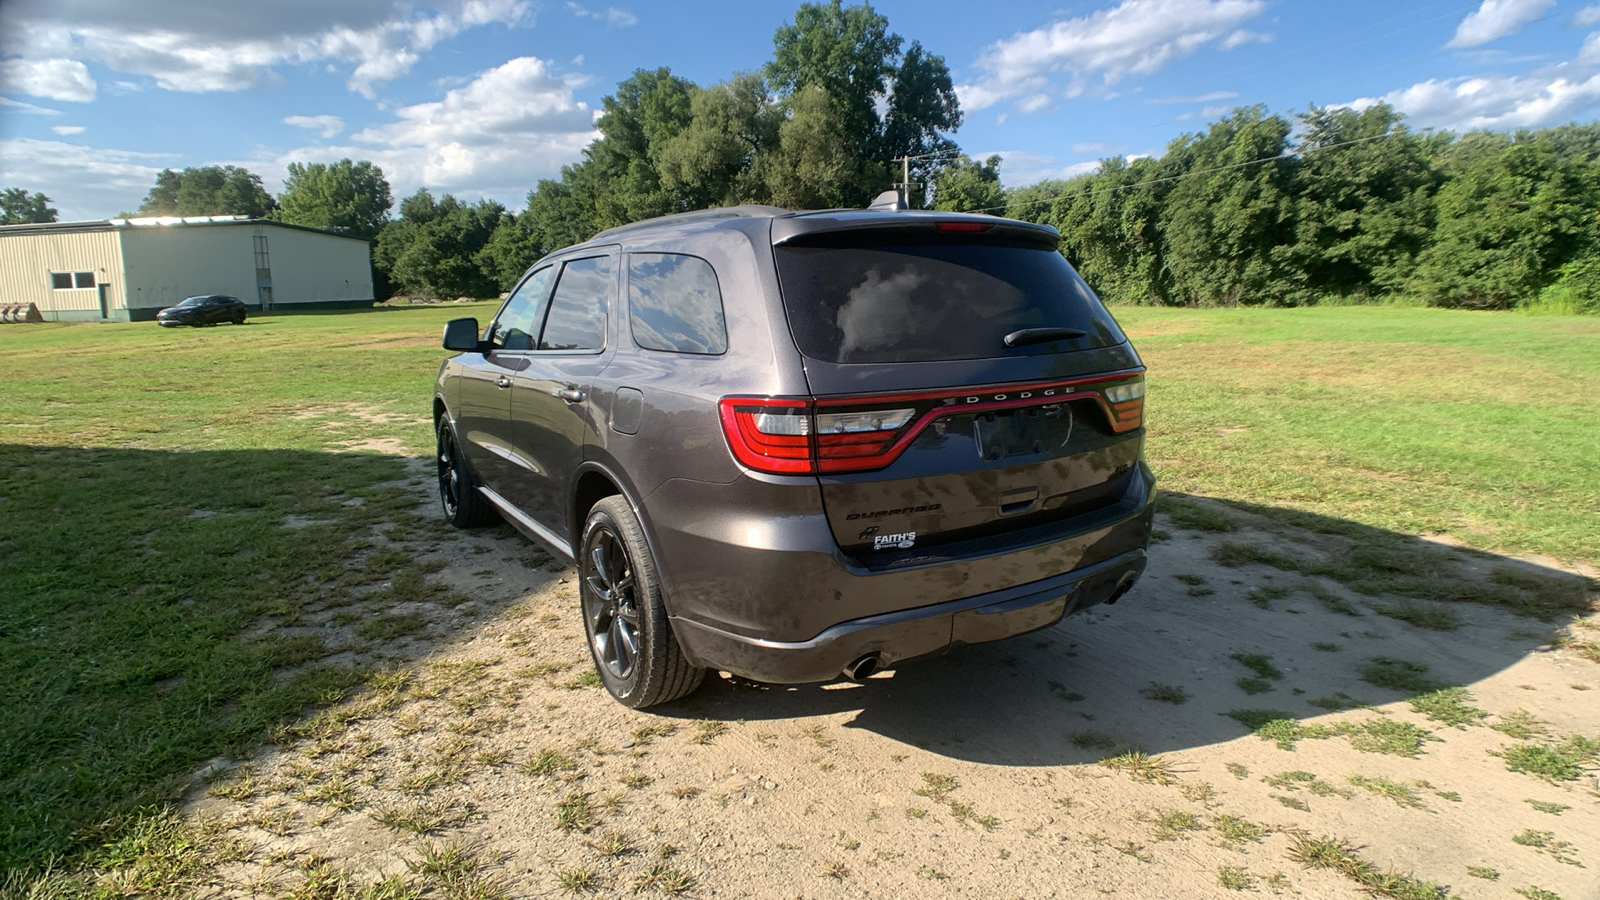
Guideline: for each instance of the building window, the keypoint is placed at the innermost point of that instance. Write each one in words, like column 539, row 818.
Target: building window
column 66, row 281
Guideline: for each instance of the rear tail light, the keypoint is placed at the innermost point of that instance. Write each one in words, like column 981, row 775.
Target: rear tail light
column 1126, row 400
column 795, row 436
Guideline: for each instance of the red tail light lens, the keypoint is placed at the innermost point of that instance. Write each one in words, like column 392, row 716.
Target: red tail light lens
column 769, row 434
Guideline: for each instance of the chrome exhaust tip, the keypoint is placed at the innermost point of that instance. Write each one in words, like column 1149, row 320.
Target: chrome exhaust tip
column 862, row 669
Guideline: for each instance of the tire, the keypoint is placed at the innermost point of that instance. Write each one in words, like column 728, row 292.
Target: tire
column 463, row 506
column 630, row 639
column 238, row 319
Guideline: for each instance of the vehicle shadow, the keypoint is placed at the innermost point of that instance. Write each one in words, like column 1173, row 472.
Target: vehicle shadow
column 1157, row 670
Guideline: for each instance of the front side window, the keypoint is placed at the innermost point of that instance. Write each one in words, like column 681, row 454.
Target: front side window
column 518, row 322
column 674, row 304
column 66, row 281
column 577, row 319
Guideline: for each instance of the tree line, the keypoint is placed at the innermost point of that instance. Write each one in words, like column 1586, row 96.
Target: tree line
column 1328, row 205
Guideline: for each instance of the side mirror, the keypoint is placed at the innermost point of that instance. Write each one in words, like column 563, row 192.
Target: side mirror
column 461, row 335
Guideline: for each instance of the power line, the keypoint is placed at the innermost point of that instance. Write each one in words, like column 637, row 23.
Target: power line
column 1239, row 165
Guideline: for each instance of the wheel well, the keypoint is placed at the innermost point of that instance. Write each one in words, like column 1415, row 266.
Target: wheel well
column 592, row 488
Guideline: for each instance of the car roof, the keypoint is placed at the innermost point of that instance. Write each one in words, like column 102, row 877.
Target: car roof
column 787, row 225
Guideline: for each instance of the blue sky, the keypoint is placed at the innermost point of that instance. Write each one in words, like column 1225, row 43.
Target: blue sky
column 484, row 97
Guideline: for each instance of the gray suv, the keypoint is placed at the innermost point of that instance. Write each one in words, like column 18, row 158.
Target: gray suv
column 795, row 445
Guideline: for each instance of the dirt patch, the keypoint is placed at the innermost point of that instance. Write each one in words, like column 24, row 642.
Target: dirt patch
column 977, row 774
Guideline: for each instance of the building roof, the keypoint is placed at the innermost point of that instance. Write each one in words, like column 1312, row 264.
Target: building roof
column 159, row 222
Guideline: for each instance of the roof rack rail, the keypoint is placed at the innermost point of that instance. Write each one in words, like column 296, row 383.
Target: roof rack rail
column 745, row 211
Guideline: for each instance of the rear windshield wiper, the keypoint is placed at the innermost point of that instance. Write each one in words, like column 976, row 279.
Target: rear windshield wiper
column 1041, row 335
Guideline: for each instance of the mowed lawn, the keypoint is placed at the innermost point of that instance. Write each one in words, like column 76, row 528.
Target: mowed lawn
column 183, row 513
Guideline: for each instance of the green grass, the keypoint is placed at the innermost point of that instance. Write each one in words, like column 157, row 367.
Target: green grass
column 1411, row 421
column 1449, row 706
column 147, row 477
column 1399, row 675
column 1329, row 853
column 1560, row 762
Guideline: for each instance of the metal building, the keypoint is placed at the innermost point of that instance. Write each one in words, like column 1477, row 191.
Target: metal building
column 128, row 269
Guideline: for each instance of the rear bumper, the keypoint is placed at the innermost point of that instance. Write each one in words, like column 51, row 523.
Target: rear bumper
column 907, row 634
column 762, row 591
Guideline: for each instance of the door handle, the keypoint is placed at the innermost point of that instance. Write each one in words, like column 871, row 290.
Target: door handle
column 571, row 395
column 502, row 382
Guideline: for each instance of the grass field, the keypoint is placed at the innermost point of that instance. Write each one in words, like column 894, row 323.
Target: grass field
column 186, row 517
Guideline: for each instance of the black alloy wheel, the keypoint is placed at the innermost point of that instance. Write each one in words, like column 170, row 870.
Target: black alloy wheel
column 463, row 506
column 609, row 604
column 630, row 638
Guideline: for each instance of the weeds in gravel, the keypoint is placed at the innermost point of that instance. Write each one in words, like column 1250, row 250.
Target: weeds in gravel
column 424, row 816
column 574, row 812
column 1094, row 740
column 1521, row 725
column 1547, row 843
column 1402, row 794
column 1165, row 693
column 936, row 786
column 1172, row 824
column 455, row 872
column 664, row 879
column 1561, row 762
column 1545, row 806
column 1235, row 831
column 1484, row 872
column 1141, row 766
column 1399, row 675
column 1371, row 736
column 578, row 881
column 1235, row 879
column 1448, row 706
column 1329, row 853
column 1295, row 780
column 1422, row 615
column 1263, row 595
column 707, row 732
column 548, row 762
column 1534, row 892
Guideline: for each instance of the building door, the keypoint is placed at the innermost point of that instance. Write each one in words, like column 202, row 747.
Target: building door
column 105, row 308
column 263, row 273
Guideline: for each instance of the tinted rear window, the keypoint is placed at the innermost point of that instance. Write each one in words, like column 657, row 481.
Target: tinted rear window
column 917, row 303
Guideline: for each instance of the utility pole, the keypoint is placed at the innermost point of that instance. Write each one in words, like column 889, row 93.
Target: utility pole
column 904, row 185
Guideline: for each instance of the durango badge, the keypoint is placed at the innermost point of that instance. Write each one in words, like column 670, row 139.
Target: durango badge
column 905, row 540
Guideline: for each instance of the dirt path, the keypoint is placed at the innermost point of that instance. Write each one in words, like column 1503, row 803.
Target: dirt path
column 496, row 768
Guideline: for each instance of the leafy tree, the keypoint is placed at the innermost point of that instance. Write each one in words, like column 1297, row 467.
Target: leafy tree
column 1363, row 204
column 851, row 57
column 722, row 157
column 1221, row 223
column 348, row 197
column 814, row 167
column 1110, row 227
column 208, row 191
column 18, row 207
column 965, row 186
column 648, row 109
column 1514, row 213
column 436, row 248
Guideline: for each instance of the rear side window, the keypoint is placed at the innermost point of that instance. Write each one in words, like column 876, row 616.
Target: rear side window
column 674, row 304
column 926, row 302
column 577, row 319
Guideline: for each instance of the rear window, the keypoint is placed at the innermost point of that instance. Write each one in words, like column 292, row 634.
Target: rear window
column 926, row 302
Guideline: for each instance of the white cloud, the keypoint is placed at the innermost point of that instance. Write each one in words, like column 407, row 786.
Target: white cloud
column 197, row 45
column 326, row 126
column 1096, row 148
column 1198, row 98
column 1494, row 102
column 1587, row 16
column 67, row 130
column 613, row 16
column 1496, row 19
column 1589, row 53
column 29, row 108
column 58, row 79
column 1136, row 37
column 1020, row 167
column 1241, row 37
column 83, row 182
column 496, row 136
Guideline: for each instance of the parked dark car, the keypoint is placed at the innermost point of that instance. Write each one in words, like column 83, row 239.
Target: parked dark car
column 211, row 309
column 795, row 445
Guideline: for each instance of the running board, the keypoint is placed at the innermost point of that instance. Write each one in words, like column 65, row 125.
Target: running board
column 527, row 525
